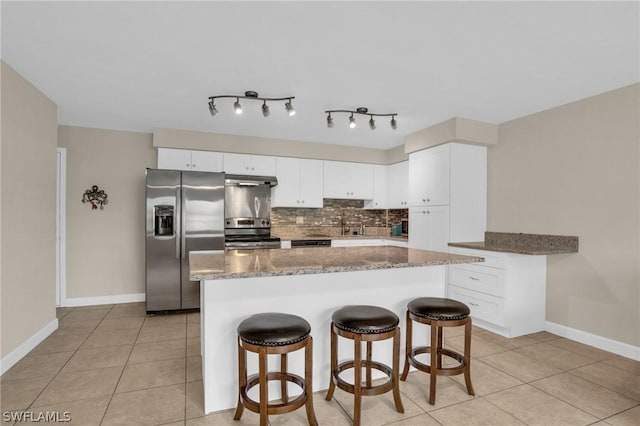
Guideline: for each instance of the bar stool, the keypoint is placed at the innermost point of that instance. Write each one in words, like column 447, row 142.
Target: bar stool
column 364, row 324
column 438, row 313
column 267, row 334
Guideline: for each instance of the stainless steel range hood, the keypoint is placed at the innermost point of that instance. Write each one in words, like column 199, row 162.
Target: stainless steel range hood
column 248, row 180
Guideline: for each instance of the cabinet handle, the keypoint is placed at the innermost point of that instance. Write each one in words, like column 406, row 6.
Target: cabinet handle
column 252, row 168
column 193, row 165
column 302, row 201
column 428, row 200
column 298, row 201
column 474, row 278
column 423, row 212
column 188, row 165
column 473, row 304
column 428, row 212
column 423, row 200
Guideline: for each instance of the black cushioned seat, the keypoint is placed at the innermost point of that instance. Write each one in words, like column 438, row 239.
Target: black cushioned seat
column 273, row 329
column 439, row 309
column 365, row 319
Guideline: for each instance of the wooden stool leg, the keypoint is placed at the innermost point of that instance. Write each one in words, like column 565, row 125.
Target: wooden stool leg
column 308, row 388
column 467, row 356
column 264, row 386
column 368, row 368
column 395, row 370
column 408, row 348
column 440, row 333
column 334, row 363
column 283, row 383
column 357, row 380
column 433, row 369
column 242, row 379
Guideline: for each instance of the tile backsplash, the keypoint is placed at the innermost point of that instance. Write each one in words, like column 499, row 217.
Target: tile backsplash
column 336, row 213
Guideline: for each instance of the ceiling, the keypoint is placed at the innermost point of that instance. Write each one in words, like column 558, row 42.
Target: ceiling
column 144, row 65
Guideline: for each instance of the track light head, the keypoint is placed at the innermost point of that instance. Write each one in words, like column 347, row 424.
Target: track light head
column 265, row 109
column 372, row 123
column 237, row 107
column 352, row 122
column 394, row 123
column 330, row 121
column 289, row 108
column 212, row 108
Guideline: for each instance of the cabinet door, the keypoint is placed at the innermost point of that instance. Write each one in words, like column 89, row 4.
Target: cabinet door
column 429, row 228
column 236, row 163
column 379, row 200
column 336, row 180
column 398, row 187
column 174, row 159
column 262, row 165
column 361, row 181
column 206, row 161
column 311, row 183
column 429, row 177
column 287, row 192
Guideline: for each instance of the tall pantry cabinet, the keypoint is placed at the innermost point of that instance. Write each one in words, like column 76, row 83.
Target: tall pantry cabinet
column 447, row 195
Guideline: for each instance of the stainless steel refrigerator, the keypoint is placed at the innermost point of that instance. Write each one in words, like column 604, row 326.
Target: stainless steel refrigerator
column 184, row 212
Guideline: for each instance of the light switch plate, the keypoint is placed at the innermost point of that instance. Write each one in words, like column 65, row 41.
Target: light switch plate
column 299, row 220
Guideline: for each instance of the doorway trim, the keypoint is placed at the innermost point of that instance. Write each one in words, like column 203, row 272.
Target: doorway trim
column 61, row 229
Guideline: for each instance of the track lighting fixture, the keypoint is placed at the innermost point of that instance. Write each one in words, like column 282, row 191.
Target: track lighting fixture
column 212, row 108
column 352, row 122
column 363, row 111
column 250, row 94
column 329, row 121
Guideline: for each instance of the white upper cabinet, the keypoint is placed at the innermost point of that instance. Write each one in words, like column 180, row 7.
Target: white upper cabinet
column 398, row 185
column 300, row 183
column 184, row 159
column 245, row 164
column 348, row 180
column 429, row 176
column 380, row 198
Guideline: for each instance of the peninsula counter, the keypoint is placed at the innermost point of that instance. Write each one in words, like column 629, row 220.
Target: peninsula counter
column 311, row 283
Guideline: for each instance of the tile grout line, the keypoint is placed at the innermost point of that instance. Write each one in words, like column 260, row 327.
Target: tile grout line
column 65, row 364
column 121, row 373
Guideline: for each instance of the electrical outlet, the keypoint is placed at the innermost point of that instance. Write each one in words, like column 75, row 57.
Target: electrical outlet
column 299, row 220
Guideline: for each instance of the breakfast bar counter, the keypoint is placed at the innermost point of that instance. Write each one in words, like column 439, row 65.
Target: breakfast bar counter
column 308, row 282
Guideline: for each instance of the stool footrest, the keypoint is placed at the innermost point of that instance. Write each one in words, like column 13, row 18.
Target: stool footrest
column 442, row 371
column 274, row 408
column 365, row 390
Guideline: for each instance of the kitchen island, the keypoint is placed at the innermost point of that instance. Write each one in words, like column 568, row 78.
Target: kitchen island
column 311, row 283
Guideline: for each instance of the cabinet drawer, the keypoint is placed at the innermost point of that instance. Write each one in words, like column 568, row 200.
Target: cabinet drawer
column 491, row 258
column 482, row 306
column 478, row 278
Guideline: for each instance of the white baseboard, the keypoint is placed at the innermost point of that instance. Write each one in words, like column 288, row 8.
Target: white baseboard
column 104, row 300
column 604, row 343
column 27, row 346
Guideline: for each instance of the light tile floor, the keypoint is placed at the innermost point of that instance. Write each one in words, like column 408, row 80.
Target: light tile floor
column 113, row 365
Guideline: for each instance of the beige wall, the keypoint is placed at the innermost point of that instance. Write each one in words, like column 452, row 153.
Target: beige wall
column 28, row 210
column 105, row 248
column 574, row 170
column 187, row 139
column 455, row 129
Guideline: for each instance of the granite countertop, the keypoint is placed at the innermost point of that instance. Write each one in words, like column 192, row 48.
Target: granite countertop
column 317, row 260
column 533, row 244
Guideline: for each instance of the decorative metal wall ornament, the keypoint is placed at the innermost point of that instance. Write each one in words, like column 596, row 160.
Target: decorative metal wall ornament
column 97, row 197
column 363, row 111
column 250, row 94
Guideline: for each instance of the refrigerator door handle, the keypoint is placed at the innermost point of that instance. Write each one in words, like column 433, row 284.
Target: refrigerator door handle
column 179, row 221
column 183, row 237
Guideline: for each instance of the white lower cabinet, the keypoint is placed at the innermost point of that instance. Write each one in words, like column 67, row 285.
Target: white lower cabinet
column 506, row 294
